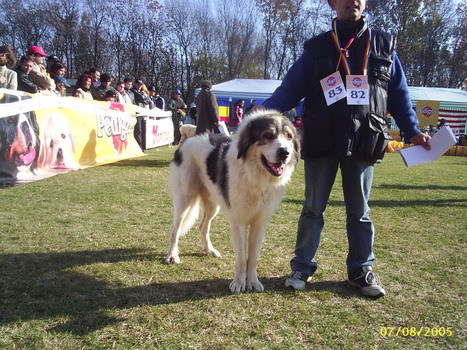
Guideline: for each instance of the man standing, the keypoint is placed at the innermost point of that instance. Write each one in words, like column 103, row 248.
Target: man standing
column 157, row 99
column 39, row 74
column 350, row 78
column 178, row 108
column 207, row 110
column 128, row 86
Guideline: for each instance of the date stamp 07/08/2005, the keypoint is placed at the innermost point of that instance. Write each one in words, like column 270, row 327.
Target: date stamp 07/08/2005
column 416, row 331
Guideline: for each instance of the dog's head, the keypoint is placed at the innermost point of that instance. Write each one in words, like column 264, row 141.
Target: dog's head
column 57, row 144
column 271, row 137
column 19, row 141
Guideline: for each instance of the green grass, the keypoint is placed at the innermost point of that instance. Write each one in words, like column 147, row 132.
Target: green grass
column 81, row 266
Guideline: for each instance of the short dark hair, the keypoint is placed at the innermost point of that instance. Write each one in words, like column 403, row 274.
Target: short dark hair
column 25, row 58
column 56, row 66
column 92, row 70
column 127, row 80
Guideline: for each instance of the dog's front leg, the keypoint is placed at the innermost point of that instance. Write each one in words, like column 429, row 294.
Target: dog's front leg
column 255, row 240
column 239, row 244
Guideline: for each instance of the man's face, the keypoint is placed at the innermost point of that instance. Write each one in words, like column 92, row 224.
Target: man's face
column 128, row 85
column 26, row 66
column 38, row 59
column 348, row 10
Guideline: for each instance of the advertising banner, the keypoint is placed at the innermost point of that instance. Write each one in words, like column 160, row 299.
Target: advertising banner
column 43, row 135
column 158, row 132
column 427, row 113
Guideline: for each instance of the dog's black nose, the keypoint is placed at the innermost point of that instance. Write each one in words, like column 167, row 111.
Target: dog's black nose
column 60, row 155
column 283, row 153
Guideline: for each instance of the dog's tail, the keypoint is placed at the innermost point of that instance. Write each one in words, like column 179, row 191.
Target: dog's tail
column 189, row 216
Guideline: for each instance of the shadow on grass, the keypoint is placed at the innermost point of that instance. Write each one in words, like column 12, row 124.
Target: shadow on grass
column 140, row 162
column 421, row 187
column 398, row 203
column 43, row 285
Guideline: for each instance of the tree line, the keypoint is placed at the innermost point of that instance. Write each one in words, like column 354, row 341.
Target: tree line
column 178, row 43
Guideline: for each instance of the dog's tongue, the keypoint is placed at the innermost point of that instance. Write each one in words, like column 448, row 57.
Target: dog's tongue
column 277, row 168
column 28, row 157
column 60, row 166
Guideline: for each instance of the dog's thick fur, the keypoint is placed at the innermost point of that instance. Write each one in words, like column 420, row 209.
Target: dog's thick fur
column 245, row 176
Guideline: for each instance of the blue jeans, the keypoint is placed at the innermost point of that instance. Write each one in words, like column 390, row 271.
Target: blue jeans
column 320, row 174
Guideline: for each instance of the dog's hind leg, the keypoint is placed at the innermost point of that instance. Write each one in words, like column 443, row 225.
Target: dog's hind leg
column 185, row 213
column 209, row 212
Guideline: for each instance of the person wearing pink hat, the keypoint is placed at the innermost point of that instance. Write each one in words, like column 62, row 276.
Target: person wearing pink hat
column 39, row 73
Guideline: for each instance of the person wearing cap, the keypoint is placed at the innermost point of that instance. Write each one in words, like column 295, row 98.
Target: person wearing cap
column 178, row 107
column 157, row 99
column 106, row 85
column 39, row 73
column 23, row 69
column 8, row 77
column 207, row 110
column 60, row 86
column 111, row 95
column 350, row 78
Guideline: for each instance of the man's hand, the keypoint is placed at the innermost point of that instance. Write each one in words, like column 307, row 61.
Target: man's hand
column 421, row 139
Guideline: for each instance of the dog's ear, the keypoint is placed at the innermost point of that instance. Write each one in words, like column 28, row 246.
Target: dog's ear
column 245, row 140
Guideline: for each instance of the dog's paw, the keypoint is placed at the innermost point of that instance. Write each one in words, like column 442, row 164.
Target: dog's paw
column 213, row 251
column 172, row 259
column 254, row 286
column 238, row 286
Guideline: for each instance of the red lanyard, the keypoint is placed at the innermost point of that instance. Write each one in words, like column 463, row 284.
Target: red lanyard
column 344, row 53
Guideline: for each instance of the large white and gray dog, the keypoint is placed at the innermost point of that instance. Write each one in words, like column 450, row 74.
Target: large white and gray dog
column 246, row 176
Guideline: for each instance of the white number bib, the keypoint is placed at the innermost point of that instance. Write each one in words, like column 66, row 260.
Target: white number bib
column 357, row 90
column 333, row 88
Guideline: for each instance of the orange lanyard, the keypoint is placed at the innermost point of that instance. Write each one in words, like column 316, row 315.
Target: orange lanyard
column 344, row 53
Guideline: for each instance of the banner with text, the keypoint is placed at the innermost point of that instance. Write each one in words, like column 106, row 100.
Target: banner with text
column 427, row 113
column 43, row 135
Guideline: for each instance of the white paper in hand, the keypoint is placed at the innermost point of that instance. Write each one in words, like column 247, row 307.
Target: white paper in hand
column 440, row 143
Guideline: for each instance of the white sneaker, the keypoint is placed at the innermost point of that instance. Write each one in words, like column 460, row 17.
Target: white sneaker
column 296, row 280
column 368, row 283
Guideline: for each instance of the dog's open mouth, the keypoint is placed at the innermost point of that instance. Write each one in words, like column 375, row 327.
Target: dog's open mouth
column 27, row 157
column 276, row 169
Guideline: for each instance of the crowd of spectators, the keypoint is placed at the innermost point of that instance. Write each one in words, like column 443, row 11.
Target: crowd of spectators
column 37, row 72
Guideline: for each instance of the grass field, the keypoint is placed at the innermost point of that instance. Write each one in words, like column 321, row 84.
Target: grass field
column 81, row 267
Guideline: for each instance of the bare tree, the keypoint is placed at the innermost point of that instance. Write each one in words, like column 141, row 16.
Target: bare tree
column 63, row 17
